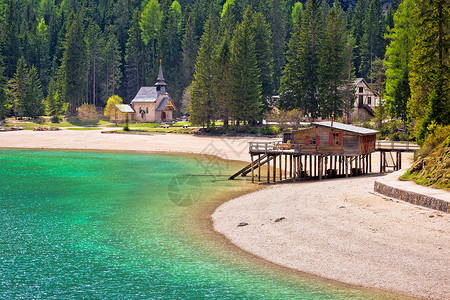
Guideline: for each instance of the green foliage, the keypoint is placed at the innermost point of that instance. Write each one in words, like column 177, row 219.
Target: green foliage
column 246, row 84
column 87, row 113
column 150, row 23
column 110, row 108
column 269, row 130
column 297, row 12
column 398, row 57
column 126, row 127
column 432, row 166
column 203, row 108
column 429, row 67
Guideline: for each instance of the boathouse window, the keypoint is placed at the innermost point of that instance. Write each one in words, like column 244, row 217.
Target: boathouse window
column 147, row 110
column 361, row 89
column 369, row 100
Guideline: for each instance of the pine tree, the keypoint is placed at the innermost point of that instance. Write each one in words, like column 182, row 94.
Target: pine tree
column 224, row 80
column 134, row 58
column 357, row 28
column 263, row 53
column 43, row 53
column 34, row 99
column 170, row 48
column 203, row 107
column 94, row 43
column 8, row 39
column 112, row 66
column 332, row 71
column 430, row 66
column 150, row 25
column 372, row 42
column 278, row 28
column 301, row 78
column 397, row 60
column 17, row 88
column 246, row 86
column 3, row 97
column 72, row 70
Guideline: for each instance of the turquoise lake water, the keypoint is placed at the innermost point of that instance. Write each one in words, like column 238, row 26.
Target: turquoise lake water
column 93, row 225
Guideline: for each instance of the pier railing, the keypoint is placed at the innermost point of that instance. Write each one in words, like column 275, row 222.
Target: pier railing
column 396, row 146
column 279, row 147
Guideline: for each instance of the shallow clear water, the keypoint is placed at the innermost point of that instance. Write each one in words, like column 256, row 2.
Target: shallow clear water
column 99, row 225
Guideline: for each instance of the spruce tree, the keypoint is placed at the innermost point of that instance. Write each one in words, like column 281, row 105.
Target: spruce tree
column 301, row 78
column 150, row 24
column 278, row 28
column 397, row 59
column 34, row 99
column 430, row 101
column 203, row 107
column 356, row 24
column 94, row 43
column 223, row 74
column 134, row 58
column 72, row 72
column 8, row 39
column 112, row 66
column 170, row 48
column 332, row 71
column 17, row 88
column 263, row 53
column 372, row 42
column 246, row 85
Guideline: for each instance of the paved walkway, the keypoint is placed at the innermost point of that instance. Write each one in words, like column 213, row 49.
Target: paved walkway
column 409, row 191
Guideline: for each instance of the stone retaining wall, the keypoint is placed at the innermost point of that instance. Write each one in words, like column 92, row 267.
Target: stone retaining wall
column 412, row 197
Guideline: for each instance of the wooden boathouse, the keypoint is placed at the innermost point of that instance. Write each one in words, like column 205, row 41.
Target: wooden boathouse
column 324, row 149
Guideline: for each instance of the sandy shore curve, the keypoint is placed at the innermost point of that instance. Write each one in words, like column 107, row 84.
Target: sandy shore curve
column 341, row 230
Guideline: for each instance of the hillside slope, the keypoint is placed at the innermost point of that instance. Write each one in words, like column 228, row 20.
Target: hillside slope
column 432, row 168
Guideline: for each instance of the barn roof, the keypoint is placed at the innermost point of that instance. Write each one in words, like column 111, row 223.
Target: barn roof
column 125, row 108
column 346, row 127
column 146, row 94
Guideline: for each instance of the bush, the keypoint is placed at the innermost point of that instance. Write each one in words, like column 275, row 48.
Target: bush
column 269, row 130
column 87, row 113
column 55, row 119
column 399, row 136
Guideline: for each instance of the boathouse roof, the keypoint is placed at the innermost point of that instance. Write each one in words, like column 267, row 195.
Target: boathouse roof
column 346, row 127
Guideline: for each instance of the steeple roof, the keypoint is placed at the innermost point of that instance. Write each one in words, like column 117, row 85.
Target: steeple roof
column 160, row 80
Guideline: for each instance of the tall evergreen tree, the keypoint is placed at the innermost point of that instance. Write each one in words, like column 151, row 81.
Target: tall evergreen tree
column 372, row 42
column 72, row 70
column 94, row 43
column 3, row 97
column 203, row 107
column 263, row 53
column 430, row 99
column 8, row 39
column 134, row 58
column 112, row 67
column 150, row 24
column 398, row 57
column 34, row 99
column 278, row 28
column 17, row 88
column 333, row 72
column 246, row 86
column 357, row 27
column 223, row 87
column 301, row 78
column 170, row 48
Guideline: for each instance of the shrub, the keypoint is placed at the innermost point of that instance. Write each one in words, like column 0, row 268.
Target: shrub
column 55, row 119
column 269, row 130
column 88, row 113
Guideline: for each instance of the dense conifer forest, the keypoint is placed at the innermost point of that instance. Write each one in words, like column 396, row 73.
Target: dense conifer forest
column 226, row 59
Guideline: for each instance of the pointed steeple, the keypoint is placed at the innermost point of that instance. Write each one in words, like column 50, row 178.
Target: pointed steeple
column 160, row 83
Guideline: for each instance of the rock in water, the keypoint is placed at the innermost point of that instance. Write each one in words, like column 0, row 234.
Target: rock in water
column 242, row 224
column 279, row 219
